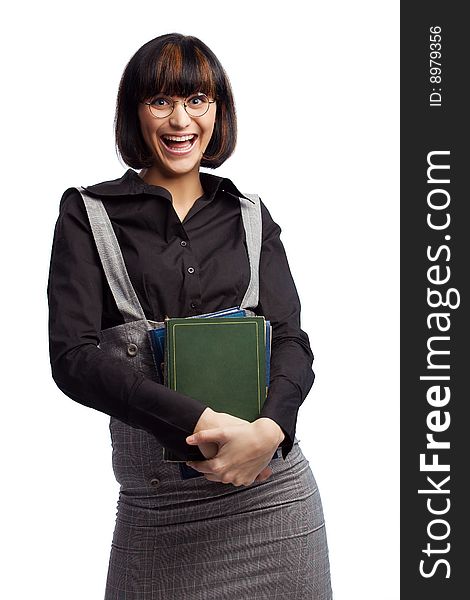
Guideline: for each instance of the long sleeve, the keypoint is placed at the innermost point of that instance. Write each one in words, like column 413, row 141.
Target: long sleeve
column 83, row 372
column 291, row 356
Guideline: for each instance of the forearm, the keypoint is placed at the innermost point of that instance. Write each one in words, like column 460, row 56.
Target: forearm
column 102, row 382
column 291, row 380
column 291, row 375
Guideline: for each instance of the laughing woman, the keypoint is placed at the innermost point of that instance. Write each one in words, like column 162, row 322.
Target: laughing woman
column 245, row 519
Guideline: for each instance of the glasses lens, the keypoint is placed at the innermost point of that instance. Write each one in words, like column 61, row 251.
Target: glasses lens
column 161, row 106
column 197, row 105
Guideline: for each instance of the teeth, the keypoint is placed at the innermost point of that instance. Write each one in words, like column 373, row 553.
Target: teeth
column 177, row 138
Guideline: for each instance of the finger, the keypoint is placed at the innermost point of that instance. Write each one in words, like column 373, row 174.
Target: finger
column 210, row 449
column 203, row 466
column 207, row 435
column 212, row 477
column 265, row 474
column 266, row 471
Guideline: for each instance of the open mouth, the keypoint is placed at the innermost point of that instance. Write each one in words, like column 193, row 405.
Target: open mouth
column 179, row 144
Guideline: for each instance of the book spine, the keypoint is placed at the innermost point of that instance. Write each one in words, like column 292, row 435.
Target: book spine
column 165, row 353
column 154, row 351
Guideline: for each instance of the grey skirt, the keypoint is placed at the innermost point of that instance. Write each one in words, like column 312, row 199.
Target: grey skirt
column 195, row 539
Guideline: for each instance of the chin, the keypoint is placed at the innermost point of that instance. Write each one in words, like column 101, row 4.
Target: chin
column 180, row 165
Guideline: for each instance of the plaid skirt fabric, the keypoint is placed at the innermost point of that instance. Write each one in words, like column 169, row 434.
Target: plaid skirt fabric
column 195, row 539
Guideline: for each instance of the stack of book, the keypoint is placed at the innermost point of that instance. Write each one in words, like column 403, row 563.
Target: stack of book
column 220, row 358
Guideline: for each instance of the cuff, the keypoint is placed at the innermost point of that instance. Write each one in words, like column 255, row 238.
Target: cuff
column 168, row 415
column 287, row 444
column 282, row 406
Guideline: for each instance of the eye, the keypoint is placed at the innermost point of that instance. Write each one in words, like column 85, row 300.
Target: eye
column 198, row 100
column 160, row 101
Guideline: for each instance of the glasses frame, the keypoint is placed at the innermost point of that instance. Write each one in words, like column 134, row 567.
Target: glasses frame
column 184, row 103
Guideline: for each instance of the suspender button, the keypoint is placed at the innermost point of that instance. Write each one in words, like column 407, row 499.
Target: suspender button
column 131, row 349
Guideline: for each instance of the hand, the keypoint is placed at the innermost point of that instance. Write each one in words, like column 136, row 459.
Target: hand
column 210, row 419
column 245, row 450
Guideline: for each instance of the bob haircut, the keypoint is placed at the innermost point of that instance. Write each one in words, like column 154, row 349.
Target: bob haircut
column 175, row 65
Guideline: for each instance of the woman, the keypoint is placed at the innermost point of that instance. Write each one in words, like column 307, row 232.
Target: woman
column 245, row 518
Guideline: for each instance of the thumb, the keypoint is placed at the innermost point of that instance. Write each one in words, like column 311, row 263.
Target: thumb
column 206, row 435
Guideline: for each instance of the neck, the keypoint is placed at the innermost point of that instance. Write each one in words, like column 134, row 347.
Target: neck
column 184, row 189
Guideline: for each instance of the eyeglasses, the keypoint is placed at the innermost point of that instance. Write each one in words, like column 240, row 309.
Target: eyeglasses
column 196, row 105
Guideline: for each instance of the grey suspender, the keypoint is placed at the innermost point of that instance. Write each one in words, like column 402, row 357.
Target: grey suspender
column 251, row 215
column 115, row 268
column 112, row 260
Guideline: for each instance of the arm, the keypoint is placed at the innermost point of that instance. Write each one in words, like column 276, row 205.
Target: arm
column 245, row 450
column 291, row 356
column 75, row 290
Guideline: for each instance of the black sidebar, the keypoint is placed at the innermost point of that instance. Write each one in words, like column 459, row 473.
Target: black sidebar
column 435, row 296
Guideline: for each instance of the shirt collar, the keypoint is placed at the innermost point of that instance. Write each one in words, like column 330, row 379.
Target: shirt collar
column 131, row 183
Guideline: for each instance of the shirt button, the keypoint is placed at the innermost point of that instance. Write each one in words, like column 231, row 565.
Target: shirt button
column 190, row 270
column 183, row 243
column 131, row 349
column 155, row 481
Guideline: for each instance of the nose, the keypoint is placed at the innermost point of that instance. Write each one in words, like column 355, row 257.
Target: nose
column 179, row 118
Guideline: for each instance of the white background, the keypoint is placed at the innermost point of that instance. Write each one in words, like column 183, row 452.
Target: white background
column 317, row 99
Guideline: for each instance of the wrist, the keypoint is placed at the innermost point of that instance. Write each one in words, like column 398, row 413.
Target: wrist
column 206, row 420
column 275, row 429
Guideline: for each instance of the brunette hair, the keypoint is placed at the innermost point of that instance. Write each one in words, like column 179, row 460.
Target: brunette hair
column 173, row 64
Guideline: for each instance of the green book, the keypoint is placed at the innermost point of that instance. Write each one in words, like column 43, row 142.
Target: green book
column 219, row 361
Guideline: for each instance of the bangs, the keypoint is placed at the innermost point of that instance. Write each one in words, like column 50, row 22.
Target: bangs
column 179, row 70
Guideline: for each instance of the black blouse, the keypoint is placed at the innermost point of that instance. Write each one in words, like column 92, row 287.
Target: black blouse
column 158, row 250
